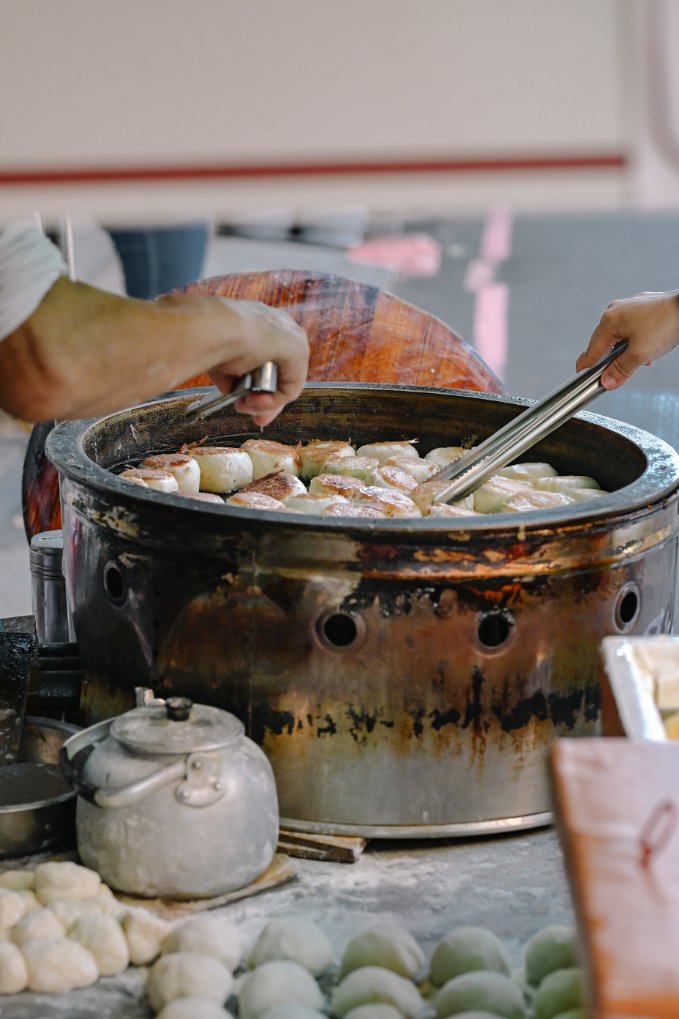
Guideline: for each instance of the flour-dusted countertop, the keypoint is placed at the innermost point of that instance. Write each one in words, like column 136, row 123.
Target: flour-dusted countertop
column 512, row 884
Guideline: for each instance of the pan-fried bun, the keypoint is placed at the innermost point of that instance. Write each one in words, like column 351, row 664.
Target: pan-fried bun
column 161, row 481
column 278, row 484
column 181, row 465
column 222, row 468
column 268, row 456
column 255, row 500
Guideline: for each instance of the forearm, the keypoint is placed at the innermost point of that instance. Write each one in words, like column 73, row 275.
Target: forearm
column 85, row 351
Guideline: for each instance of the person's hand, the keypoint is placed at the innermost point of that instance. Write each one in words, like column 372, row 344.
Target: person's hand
column 650, row 324
column 269, row 334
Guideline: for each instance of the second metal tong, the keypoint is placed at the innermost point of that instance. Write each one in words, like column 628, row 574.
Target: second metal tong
column 262, row 380
column 474, row 467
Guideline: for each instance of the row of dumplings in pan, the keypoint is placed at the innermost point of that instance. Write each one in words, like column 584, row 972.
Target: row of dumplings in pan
column 336, row 479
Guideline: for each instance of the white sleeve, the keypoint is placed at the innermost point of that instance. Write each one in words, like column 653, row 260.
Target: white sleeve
column 29, row 265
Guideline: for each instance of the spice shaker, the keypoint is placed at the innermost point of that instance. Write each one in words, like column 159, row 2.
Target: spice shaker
column 48, row 587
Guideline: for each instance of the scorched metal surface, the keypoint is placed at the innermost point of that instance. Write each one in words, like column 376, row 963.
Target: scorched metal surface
column 405, row 677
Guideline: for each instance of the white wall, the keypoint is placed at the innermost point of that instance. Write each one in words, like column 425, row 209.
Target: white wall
column 85, row 84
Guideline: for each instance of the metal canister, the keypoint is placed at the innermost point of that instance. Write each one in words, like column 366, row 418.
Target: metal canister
column 48, row 588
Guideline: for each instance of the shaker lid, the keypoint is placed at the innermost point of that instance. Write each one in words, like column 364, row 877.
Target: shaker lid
column 176, row 727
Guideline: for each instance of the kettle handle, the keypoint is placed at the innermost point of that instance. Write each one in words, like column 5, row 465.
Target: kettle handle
column 124, row 796
column 78, row 748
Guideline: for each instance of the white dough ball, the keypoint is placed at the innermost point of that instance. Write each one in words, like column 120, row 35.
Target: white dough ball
column 467, row 949
column 550, row 948
column 12, row 907
column 17, row 880
column 372, row 985
column 103, row 936
column 57, row 965
column 187, row 975
column 29, row 900
column 275, row 983
column 387, row 946
column 377, row 1011
column 144, row 932
column 206, row 935
column 193, row 1008
column 295, row 938
column 65, row 880
column 480, row 990
column 67, row 911
column 291, row 1010
column 39, row 923
column 13, row 972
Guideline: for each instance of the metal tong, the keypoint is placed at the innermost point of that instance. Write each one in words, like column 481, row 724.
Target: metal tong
column 474, row 467
column 262, row 380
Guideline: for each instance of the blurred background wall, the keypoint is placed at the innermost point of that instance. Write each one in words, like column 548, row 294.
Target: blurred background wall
column 147, row 106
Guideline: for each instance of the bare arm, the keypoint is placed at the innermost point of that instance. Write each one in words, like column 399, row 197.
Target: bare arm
column 650, row 324
column 85, row 351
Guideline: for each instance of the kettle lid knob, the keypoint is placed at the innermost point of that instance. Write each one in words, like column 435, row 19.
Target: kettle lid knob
column 178, row 708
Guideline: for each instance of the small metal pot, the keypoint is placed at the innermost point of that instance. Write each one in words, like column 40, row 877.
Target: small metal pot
column 174, row 801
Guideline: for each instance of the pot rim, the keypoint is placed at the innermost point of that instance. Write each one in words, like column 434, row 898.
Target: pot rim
column 65, row 447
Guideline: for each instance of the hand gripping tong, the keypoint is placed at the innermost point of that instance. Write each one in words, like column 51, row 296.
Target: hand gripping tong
column 262, row 380
column 475, row 466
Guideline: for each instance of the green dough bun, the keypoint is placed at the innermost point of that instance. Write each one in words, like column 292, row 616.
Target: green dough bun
column 481, row 991
column 465, row 950
column 549, row 949
column 558, row 992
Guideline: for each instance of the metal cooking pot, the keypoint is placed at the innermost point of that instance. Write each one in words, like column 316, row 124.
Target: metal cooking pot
column 404, row 677
column 174, row 800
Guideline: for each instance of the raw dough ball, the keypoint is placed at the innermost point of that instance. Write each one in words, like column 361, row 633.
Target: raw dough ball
column 13, row 972
column 65, row 880
column 107, row 903
column 378, row 1011
column 12, row 907
column 187, row 975
column 559, row 991
column 17, row 880
column 206, row 935
column 193, row 1008
column 291, row 1010
column 372, row 985
column 29, row 900
column 482, row 990
column 275, row 983
column 144, row 932
column 39, row 923
column 57, row 965
column 67, row 911
column 295, row 938
column 465, row 950
column 549, row 949
column 102, row 935
column 387, row 946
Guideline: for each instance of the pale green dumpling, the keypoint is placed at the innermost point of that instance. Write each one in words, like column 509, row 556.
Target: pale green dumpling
column 550, row 948
column 375, row 985
column 464, row 950
column 481, row 990
column 386, row 945
column 559, row 991
column 374, row 1011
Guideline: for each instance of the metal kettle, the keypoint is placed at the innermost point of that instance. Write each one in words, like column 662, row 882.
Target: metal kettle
column 174, row 800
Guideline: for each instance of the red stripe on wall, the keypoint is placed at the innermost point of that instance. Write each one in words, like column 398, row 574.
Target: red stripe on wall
column 253, row 171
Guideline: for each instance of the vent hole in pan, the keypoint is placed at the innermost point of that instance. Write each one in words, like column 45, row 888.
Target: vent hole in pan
column 494, row 629
column 627, row 606
column 114, row 583
column 341, row 631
